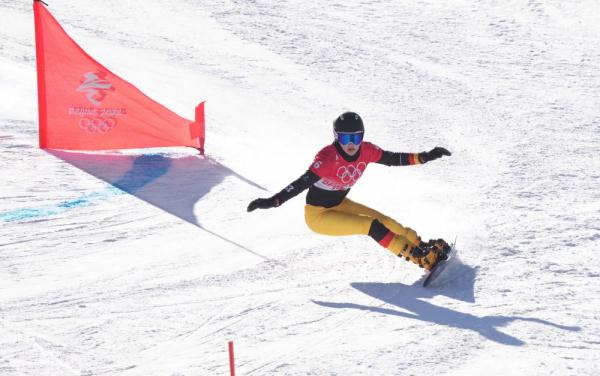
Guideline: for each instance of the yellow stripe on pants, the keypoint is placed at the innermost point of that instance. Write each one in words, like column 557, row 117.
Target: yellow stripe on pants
column 351, row 218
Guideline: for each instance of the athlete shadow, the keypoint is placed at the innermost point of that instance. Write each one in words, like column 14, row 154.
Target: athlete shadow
column 413, row 304
column 173, row 184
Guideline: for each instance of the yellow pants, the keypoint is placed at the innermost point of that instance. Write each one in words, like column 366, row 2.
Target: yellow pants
column 351, row 218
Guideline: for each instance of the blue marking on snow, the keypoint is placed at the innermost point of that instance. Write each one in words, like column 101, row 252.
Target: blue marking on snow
column 28, row 214
column 146, row 168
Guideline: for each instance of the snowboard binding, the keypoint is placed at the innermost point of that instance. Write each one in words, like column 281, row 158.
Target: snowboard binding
column 440, row 246
column 446, row 253
column 428, row 254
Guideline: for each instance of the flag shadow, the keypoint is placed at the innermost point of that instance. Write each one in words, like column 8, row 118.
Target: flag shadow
column 412, row 303
column 173, row 184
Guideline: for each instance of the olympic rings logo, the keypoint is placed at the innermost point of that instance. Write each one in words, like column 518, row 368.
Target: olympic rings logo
column 97, row 124
column 351, row 173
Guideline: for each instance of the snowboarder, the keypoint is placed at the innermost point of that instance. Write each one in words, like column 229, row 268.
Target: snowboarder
column 336, row 168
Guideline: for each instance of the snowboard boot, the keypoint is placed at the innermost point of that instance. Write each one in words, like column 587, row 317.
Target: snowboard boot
column 440, row 246
column 425, row 256
column 422, row 254
column 435, row 250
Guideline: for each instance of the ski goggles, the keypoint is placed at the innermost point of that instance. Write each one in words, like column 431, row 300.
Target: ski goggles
column 346, row 138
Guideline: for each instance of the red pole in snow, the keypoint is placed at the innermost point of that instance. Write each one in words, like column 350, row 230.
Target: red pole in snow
column 231, row 362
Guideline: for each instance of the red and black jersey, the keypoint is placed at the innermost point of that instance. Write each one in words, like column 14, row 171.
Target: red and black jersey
column 338, row 172
column 333, row 172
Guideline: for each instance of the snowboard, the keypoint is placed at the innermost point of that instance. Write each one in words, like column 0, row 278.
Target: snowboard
column 438, row 269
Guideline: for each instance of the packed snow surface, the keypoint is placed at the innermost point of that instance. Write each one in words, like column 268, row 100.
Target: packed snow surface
column 146, row 262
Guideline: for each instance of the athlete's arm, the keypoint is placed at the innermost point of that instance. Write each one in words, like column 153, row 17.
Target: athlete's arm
column 303, row 182
column 389, row 158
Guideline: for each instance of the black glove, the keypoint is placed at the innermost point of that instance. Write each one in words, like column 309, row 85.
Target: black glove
column 263, row 203
column 435, row 153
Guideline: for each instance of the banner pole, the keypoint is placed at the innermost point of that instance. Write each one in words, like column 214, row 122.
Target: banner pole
column 200, row 123
column 41, row 74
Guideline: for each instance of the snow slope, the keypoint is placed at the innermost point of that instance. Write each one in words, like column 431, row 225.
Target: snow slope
column 146, row 262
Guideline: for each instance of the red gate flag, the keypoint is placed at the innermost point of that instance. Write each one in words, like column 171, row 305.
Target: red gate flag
column 84, row 106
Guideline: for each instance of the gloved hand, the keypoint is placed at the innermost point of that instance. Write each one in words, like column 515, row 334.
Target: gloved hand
column 435, row 153
column 263, row 203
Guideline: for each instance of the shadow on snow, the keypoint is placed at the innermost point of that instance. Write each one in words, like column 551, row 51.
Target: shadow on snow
column 412, row 303
column 174, row 185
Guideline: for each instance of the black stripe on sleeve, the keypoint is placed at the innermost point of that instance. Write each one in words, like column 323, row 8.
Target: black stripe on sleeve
column 296, row 187
column 389, row 158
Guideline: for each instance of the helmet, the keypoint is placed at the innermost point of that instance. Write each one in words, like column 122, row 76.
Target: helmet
column 348, row 122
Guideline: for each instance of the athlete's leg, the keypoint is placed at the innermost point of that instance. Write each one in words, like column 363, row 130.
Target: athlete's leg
column 351, row 218
column 350, row 206
column 334, row 222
